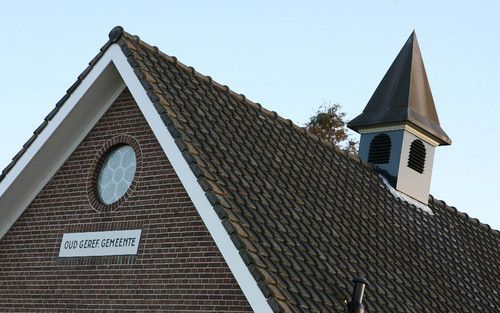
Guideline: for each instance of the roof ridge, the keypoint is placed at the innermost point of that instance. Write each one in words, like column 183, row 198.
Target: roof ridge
column 204, row 177
column 465, row 216
column 241, row 97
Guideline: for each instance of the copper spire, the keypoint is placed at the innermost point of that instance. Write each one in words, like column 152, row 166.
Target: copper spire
column 404, row 97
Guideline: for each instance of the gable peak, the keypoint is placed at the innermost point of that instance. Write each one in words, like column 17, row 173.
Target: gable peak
column 115, row 33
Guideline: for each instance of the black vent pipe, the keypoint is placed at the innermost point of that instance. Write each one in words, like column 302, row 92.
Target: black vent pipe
column 356, row 304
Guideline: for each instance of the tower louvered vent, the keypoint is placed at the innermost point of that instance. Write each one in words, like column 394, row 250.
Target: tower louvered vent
column 416, row 160
column 380, row 149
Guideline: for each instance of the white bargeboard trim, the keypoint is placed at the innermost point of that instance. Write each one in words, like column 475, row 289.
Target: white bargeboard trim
column 53, row 145
column 227, row 248
column 108, row 78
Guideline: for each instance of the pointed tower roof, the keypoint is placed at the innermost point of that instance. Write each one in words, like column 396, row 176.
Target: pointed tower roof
column 404, row 96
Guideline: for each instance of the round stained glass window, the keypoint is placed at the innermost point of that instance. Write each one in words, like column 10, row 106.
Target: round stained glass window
column 116, row 174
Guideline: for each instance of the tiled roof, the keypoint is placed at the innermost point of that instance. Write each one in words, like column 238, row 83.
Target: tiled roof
column 305, row 216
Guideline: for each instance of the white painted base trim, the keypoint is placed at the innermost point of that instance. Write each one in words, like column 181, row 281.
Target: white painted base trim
column 406, row 198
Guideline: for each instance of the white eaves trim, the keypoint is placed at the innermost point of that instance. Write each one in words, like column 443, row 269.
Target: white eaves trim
column 88, row 103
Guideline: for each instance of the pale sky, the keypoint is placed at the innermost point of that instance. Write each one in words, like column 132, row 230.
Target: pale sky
column 289, row 56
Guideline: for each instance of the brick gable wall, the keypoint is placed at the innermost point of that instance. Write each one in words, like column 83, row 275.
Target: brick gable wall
column 178, row 267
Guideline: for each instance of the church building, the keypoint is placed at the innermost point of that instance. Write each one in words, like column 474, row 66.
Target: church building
column 152, row 188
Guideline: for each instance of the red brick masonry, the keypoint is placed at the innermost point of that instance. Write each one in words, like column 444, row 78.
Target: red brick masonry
column 178, row 267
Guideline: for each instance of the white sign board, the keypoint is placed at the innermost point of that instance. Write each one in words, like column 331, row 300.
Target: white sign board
column 102, row 243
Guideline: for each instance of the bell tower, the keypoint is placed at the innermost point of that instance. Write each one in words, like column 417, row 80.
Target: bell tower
column 400, row 127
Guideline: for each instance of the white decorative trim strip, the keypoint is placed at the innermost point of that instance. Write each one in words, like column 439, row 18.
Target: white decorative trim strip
column 407, row 127
column 231, row 255
column 406, row 198
column 78, row 115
